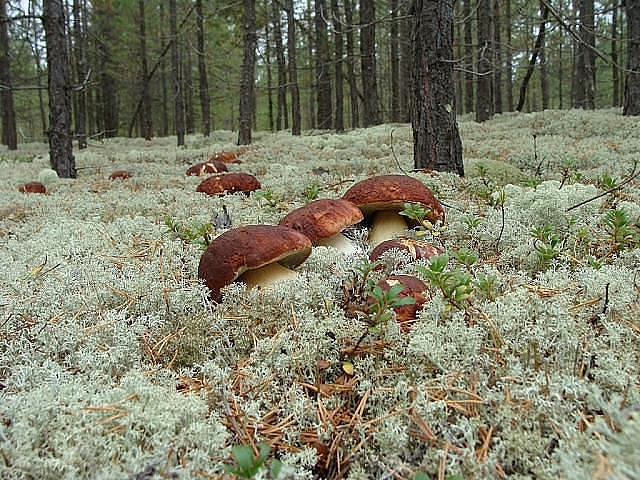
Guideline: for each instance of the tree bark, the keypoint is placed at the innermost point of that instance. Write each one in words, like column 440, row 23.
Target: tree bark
column 436, row 139
column 484, row 93
column 534, row 57
column 108, row 112
column 205, row 100
column 145, row 112
column 632, row 77
column 336, row 22
column 497, row 55
column 60, row 140
column 282, row 114
column 296, row 126
column 394, row 46
column 178, row 101
column 247, row 73
column 468, row 56
column 9, row 131
column 368, row 62
column 354, row 95
column 584, row 87
column 80, row 48
column 323, row 68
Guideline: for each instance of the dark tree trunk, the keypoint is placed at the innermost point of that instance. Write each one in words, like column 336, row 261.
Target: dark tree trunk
column 323, row 67
column 109, row 103
column 615, row 77
column 247, row 73
column 508, row 56
column 336, row 22
column 163, row 76
column 497, row 55
column 632, row 78
column 395, row 61
column 80, row 47
column 368, row 62
column 60, row 140
column 484, row 94
column 405, row 62
column 187, row 81
column 267, row 61
column 282, row 114
column 436, row 140
column 178, row 100
column 296, row 126
column 354, row 95
column 584, row 86
column 534, row 57
column 205, row 100
column 544, row 80
column 468, row 56
column 9, row 131
column 145, row 112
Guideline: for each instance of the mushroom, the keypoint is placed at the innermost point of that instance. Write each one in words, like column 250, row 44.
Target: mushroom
column 413, row 287
column 324, row 220
column 226, row 157
column 212, row 166
column 416, row 249
column 223, row 183
column 381, row 198
column 258, row 255
column 32, row 187
column 120, row 174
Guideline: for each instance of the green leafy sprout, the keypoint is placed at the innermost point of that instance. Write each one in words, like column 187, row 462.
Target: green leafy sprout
column 248, row 465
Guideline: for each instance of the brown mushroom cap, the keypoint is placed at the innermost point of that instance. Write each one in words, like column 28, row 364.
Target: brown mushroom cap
column 120, row 174
column 32, row 187
column 391, row 192
column 222, row 183
column 413, row 287
column 226, row 157
column 212, row 166
column 248, row 248
column 416, row 249
column 323, row 218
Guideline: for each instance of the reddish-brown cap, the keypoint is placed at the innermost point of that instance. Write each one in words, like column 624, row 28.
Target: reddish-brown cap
column 120, row 175
column 412, row 287
column 247, row 248
column 226, row 157
column 222, row 183
column 32, row 187
column 416, row 249
column 323, row 218
column 391, row 192
column 204, row 168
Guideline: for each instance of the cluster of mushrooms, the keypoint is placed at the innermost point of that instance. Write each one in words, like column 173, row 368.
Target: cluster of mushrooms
column 260, row 255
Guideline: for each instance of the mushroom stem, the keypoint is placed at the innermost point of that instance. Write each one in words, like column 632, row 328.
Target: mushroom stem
column 386, row 224
column 267, row 275
column 340, row 243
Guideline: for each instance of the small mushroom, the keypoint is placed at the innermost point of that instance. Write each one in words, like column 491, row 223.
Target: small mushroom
column 381, row 198
column 120, row 175
column 223, row 183
column 258, row 255
column 415, row 249
column 204, row 168
column 32, row 187
column 226, row 157
column 406, row 315
column 324, row 220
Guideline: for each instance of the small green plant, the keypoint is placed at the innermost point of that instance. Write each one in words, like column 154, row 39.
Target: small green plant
column 455, row 285
column 249, row 465
column 267, row 195
column 465, row 257
column 418, row 213
column 383, row 302
column 606, row 181
column 197, row 233
column 547, row 244
column 471, row 221
column 621, row 229
column 312, row 191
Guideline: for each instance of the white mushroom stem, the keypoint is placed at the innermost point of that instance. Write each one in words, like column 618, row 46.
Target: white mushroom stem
column 267, row 275
column 385, row 225
column 340, row 243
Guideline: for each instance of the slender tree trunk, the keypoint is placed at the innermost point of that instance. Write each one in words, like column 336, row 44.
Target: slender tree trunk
column 436, row 139
column 584, row 84
column 509, row 56
column 497, row 55
column 354, row 95
column 60, row 140
column 187, row 82
column 336, row 22
column 632, row 78
column 405, row 62
column 484, row 93
column 145, row 112
column 395, row 61
column 205, row 99
column 368, row 62
column 323, row 67
column 109, row 100
column 282, row 114
column 163, row 75
column 247, row 73
column 534, row 56
column 468, row 56
column 9, row 131
column 296, row 126
column 615, row 77
column 544, row 80
column 79, row 42
column 178, row 100
column 269, row 68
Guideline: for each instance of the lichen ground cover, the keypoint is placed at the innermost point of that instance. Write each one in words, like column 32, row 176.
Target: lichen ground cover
column 114, row 362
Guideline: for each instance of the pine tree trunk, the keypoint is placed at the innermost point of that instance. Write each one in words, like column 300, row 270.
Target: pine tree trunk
column 323, row 67
column 79, row 42
column 632, row 79
column 336, row 22
column 436, row 139
column 468, row 57
column 484, row 94
column 368, row 62
column 296, row 126
column 395, row 62
column 205, row 99
column 282, row 114
column 354, row 95
column 497, row 55
column 178, row 101
column 145, row 112
column 247, row 73
column 9, row 131
column 60, row 140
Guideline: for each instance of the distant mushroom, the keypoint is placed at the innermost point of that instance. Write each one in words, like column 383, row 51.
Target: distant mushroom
column 120, row 175
column 258, row 255
column 406, row 315
column 32, row 187
column 324, row 220
column 381, row 198
column 226, row 157
column 415, row 249
column 212, row 166
column 223, row 183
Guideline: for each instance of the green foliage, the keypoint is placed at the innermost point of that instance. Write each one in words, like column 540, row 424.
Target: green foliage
column 455, row 285
column 383, row 302
column 197, row 233
column 249, row 465
column 623, row 232
column 312, row 191
column 547, row 244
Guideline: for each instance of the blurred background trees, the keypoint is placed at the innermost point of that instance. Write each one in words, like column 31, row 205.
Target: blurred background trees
column 155, row 68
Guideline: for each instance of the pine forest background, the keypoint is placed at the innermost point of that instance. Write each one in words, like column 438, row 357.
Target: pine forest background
column 135, row 64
